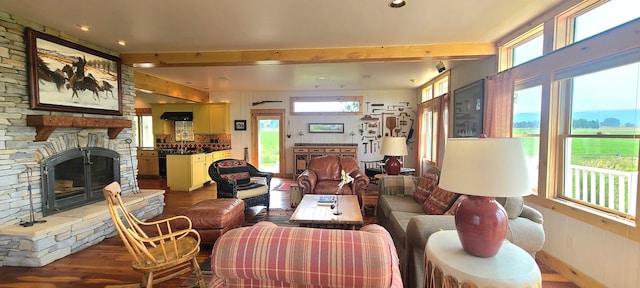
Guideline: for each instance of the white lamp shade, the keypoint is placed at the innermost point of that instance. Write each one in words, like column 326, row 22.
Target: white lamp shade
column 492, row 167
column 394, row 146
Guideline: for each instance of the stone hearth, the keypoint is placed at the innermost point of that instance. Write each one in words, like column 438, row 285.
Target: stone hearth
column 68, row 232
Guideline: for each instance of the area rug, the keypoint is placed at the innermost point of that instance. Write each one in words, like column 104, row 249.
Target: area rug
column 283, row 187
column 191, row 281
column 277, row 216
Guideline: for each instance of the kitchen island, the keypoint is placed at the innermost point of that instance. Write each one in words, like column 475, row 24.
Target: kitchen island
column 190, row 171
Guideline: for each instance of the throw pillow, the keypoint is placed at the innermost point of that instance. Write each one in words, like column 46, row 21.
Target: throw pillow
column 234, row 169
column 454, row 206
column 439, row 201
column 399, row 185
column 426, row 184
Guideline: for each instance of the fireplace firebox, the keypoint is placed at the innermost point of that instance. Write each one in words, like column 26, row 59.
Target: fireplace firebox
column 75, row 178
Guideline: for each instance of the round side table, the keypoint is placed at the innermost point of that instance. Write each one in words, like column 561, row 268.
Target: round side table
column 448, row 265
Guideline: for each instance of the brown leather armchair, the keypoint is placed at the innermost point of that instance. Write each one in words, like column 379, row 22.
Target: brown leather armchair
column 324, row 173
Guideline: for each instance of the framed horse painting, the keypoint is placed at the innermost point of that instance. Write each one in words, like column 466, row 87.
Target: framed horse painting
column 67, row 77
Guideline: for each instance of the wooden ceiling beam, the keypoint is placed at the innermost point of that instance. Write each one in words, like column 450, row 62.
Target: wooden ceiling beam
column 435, row 52
column 157, row 85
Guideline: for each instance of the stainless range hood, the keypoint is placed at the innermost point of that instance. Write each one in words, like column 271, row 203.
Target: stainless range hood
column 177, row 116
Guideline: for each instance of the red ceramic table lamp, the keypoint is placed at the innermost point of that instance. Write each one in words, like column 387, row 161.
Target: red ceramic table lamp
column 483, row 168
column 393, row 146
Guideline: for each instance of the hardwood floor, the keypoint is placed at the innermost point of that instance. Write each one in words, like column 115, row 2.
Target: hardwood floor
column 108, row 263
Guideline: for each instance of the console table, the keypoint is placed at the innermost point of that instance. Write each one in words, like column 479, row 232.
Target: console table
column 448, row 265
column 303, row 152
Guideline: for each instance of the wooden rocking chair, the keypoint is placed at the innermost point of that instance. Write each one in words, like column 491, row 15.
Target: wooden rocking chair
column 166, row 254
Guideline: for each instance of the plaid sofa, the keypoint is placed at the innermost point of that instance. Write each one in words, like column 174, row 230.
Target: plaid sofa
column 266, row 255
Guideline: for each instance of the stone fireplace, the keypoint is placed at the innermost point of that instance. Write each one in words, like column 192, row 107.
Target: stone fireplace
column 73, row 170
column 30, row 137
column 75, row 178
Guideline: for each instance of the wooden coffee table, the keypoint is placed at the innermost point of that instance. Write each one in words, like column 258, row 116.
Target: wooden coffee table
column 310, row 214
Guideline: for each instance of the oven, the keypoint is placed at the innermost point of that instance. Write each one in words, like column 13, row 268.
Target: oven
column 162, row 160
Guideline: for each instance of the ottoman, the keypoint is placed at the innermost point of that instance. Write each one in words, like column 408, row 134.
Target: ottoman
column 214, row 217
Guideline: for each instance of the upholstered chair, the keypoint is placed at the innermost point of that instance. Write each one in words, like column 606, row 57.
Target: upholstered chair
column 324, row 173
column 241, row 180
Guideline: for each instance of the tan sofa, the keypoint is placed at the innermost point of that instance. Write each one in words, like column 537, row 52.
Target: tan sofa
column 410, row 227
column 325, row 173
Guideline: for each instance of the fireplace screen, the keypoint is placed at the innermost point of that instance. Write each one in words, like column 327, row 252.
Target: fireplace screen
column 76, row 177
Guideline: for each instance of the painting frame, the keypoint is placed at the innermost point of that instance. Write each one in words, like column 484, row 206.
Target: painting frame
column 468, row 110
column 240, row 125
column 326, row 127
column 98, row 92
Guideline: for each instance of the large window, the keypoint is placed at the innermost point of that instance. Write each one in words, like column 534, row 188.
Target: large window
column 324, row 105
column 432, row 122
column 145, row 130
column 426, row 93
column 526, row 47
column 600, row 147
column 526, row 124
column 577, row 109
column 604, row 17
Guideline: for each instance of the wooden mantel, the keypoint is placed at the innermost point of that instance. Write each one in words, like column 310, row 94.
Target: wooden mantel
column 46, row 124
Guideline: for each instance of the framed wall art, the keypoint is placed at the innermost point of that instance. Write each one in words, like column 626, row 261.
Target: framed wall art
column 326, row 127
column 65, row 76
column 240, row 125
column 468, row 107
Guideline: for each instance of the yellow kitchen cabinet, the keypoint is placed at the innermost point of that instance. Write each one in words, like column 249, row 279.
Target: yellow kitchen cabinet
column 212, row 118
column 219, row 118
column 160, row 126
column 148, row 163
column 201, row 119
column 186, row 172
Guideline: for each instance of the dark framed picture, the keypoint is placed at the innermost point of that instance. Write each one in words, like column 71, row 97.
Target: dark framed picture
column 65, row 76
column 240, row 124
column 468, row 107
column 326, row 127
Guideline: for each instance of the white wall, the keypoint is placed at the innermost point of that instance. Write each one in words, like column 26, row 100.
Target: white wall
column 241, row 105
column 468, row 72
column 606, row 257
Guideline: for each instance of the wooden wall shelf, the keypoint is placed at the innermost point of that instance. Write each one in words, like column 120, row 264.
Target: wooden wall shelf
column 46, row 124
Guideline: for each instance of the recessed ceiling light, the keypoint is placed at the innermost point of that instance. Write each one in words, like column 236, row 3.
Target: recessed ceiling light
column 144, row 90
column 144, row 65
column 321, row 78
column 397, row 3
column 122, row 43
column 84, row 27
